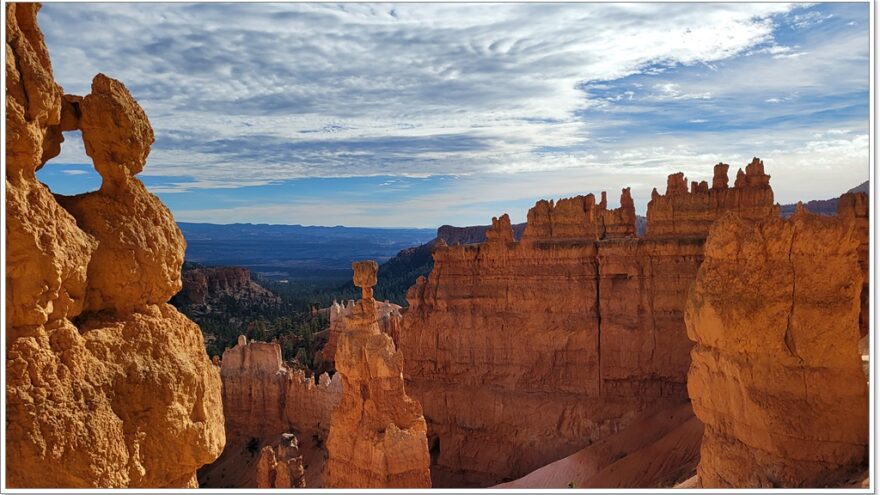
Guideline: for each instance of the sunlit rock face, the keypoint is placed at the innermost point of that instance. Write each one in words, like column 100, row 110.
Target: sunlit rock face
column 263, row 401
column 377, row 433
column 107, row 385
column 522, row 353
column 776, row 375
column 855, row 207
column 389, row 317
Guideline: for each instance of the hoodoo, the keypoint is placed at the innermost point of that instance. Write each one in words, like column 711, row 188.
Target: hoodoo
column 522, row 353
column 107, row 385
column 377, row 433
column 270, row 406
column 776, row 375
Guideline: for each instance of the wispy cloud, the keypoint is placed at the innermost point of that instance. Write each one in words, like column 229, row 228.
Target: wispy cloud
column 250, row 95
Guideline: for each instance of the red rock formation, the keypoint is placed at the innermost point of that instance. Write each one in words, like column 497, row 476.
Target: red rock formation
column 264, row 399
column 281, row 466
column 854, row 207
column 680, row 214
column 471, row 235
column 620, row 222
column 202, row 285
column 125, row 396
column 522, row 353
column 377, row 433
column 390, row 321
column 776, row 375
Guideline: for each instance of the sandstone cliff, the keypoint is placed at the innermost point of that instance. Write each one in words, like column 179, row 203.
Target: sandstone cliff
column 524, row 352
column 853, row 207
column 281, row 466
column 377, row 433
column 264, row 399
column 776, row 374
column 203, row 286
column 474, row 234
column 107, row 385
column 680, row 213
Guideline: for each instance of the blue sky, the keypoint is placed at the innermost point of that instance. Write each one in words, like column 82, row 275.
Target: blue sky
column 417, row 115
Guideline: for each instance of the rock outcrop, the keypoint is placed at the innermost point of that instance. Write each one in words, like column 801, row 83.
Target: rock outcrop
column 680, row 213
column 389, row 318
column 264, row 399
column 281, row 466
column 776, row 374
column 523, row 352
column 203, row 286
column 854, row 207
column 377, row 433
column 474, row 234
column 107, row 385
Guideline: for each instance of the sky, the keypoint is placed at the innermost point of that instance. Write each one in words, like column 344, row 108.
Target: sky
column 418, row 115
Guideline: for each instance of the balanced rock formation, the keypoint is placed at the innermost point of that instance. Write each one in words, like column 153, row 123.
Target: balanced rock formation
column 776, row 375
column 524, row 352
column 377, row 433
column 264, row 399
column 123, row 395
column 389, row 318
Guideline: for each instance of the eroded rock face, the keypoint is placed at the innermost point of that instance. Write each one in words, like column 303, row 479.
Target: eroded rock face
column 377, row 433
column 525, row 352
column 389, row 318
column 680, row 213
column 264, row 399
column 202, row 286
column 776, row 375
column 281, row 466
column 125, row 396
column 854, row 207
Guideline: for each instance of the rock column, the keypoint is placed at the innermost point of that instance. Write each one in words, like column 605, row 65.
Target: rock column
column 377, row 433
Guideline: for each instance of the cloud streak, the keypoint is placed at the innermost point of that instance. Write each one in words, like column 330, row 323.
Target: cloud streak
column 250, row 95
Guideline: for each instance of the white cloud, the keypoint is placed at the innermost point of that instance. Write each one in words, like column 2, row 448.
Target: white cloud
column 265, row 91
column 521, row 101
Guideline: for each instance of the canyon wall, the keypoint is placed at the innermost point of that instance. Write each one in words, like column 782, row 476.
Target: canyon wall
column 263, row 400
column 776, row 373
column 524, row 352
column 474, row 234
column 377, row 433
column 106, row 384
column 203, row 285
column 854, row 207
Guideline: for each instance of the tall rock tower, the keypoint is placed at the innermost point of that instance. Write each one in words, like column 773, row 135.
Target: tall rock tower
column 377, row 433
